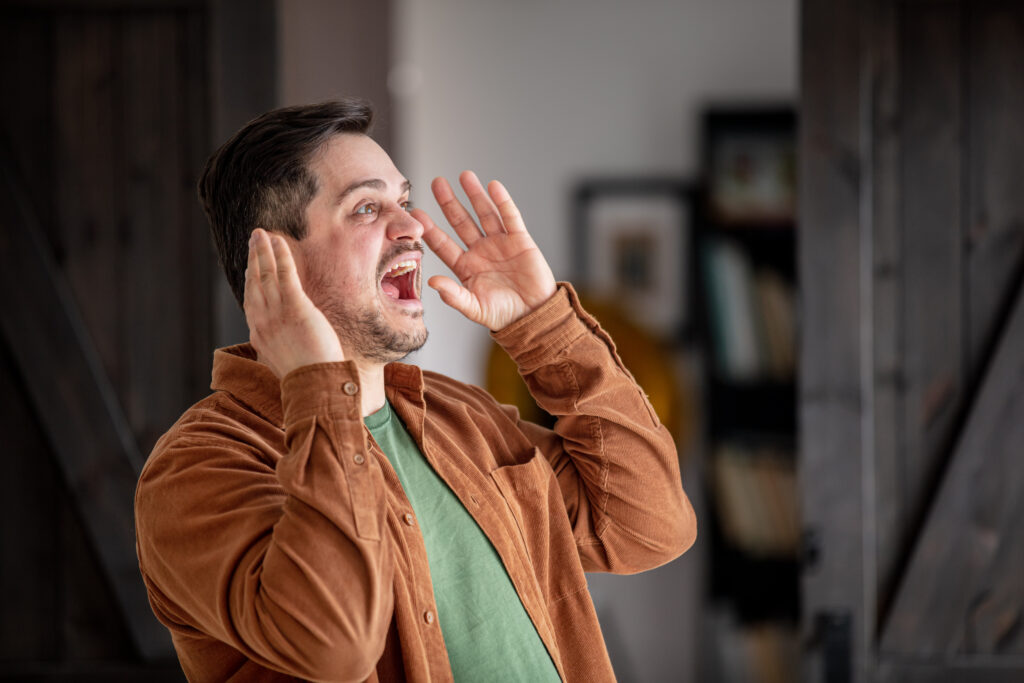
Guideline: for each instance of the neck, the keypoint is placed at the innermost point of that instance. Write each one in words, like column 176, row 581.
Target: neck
column 371, row 382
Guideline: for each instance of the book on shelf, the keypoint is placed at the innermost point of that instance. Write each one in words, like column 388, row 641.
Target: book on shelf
column 752, row 318
column 778, row 323
column 767, row 652
column 756, row 499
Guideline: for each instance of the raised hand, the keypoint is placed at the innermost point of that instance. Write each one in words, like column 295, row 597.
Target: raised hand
column 502, row 273
column 285, row 327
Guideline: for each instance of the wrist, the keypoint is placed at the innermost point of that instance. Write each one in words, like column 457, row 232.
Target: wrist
column 530, row 307
column 543, row 298
column 545, row 333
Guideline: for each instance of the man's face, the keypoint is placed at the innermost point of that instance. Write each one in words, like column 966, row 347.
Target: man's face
column 360, row 260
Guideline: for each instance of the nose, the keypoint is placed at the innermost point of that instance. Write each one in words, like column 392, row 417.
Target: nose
column 403, row 226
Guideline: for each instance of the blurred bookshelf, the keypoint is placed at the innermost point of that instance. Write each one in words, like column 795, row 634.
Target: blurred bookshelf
column 745, row 263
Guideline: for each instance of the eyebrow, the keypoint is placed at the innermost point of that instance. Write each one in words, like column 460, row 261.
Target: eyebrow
column 375, row 183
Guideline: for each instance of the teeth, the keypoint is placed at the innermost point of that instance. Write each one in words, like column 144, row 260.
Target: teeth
column 401, row 268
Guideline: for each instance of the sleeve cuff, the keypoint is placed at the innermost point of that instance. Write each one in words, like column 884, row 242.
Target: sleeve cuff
column 322, row 389
column 543, row 335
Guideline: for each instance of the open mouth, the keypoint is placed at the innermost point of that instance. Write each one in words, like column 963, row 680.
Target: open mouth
column 400, row 281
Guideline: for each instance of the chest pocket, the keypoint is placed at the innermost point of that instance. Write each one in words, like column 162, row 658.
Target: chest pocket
column 535, row 502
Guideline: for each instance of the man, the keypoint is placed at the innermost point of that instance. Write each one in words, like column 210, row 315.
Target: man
column 331, row 514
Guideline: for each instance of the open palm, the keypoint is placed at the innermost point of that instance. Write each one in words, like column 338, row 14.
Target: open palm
column 502, row 273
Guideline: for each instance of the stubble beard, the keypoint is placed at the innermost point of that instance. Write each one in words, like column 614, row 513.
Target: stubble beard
column 367, row 333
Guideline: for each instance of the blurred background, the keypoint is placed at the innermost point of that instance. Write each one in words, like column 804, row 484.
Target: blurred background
column 801, row 222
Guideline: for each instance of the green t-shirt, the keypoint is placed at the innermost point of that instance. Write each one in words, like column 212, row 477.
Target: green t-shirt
column 487, row 631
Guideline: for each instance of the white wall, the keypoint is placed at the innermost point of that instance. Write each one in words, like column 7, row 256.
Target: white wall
column 539, row 93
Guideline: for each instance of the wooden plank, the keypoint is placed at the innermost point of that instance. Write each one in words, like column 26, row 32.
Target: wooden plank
column 25, row 76
column 87, row 96
column 994, row 239
column 100, row 251
column 92, row 627
column 830, row 175
column 933, row 203
column 76, row 406
column 29, row 523
column 996, row 613
column 154, row 253
column 86, row 140
column 887, row 304
column 918, row 336
column 29, row 527
column 994, row 230
column 204, row 271
column 961, row 562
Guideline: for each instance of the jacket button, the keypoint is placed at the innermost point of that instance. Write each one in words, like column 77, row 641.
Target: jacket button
column 428, row 617
column 409, row 519
column 350, row 388
column 358, row 458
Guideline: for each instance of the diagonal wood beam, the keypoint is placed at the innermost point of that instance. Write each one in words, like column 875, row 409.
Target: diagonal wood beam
column 969, row 558
column 76, row 405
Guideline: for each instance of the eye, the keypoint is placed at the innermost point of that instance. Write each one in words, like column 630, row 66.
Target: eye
column 408, row 205
column 366, row 209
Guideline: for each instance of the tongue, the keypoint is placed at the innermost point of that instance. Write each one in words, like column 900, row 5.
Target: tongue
column 390, row 288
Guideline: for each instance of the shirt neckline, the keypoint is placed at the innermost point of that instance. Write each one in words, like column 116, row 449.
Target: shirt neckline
column 379, row 419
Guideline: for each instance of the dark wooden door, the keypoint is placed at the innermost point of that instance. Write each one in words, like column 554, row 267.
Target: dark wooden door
column 912, row 362
column 106, row 317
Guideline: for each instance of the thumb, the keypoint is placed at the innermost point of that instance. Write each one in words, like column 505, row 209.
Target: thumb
column 456, row 296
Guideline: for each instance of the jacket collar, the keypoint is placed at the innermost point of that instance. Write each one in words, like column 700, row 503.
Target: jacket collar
column 237, row 372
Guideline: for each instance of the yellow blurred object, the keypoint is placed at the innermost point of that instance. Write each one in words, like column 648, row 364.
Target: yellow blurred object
column 652, row 365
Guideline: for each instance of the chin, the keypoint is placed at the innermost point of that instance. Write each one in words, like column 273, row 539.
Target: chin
column 397, row 346
column 373, row 331
column 385, row 342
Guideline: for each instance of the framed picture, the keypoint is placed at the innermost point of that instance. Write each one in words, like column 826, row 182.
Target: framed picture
column 750, row 157
column 632, row 245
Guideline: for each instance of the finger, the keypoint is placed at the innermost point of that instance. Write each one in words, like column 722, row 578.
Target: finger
column 510, row 216
column 456, row 296
column 267, row 268
column 456, row 214
column 439, row 242
column 490, row 221
column 254, row 305
column 287, row 274
column 253, row 296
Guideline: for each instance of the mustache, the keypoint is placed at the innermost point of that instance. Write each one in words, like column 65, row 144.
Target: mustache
column 395, row 251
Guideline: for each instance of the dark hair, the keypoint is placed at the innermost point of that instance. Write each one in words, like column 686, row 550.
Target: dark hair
column 260, row 178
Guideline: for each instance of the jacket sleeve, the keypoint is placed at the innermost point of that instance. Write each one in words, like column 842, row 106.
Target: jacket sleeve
column 289, row 565
column 616, row 464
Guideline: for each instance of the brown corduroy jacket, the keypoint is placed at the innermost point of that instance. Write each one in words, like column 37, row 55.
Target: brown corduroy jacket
column 276, row 542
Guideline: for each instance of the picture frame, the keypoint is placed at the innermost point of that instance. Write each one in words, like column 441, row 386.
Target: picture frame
column 633, row 244
column 750, row 159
